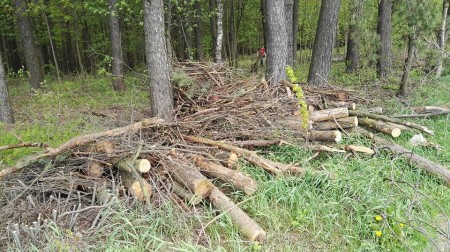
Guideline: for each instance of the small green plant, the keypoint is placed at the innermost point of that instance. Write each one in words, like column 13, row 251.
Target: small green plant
column 300, row 97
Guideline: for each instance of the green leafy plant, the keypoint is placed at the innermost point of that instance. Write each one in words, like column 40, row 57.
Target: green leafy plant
column 300, row 97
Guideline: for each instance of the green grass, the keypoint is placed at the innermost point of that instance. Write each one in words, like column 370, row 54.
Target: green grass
column 332, row 208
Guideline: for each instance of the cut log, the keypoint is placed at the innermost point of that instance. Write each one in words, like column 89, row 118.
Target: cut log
column 185, row 194
column 430, row 109
column 233, row 161
column 362, row 149
column 328, row 114
column 326, row 136
column 94, row 169
column 415, row 159
column 139, row 188
column 107, row 147
column 140, row 165
column 393, row 120
column 363, row 132
column 381, row 126
column 374, row 110
column 340, row 104
column 236, row 178
column 401, row 127
column 246, row 225
column 250, row 156
column 189, row 177
column 344, row 123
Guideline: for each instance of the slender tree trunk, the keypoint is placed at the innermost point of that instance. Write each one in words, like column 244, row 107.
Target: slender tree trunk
column 289, row 18
column 324, row 41
column 407, row 67
column 198, row 31
column 295, row 29
column 86, row 43
column 277, row 41
column 77, row 46
column 219, row 39
column 31, row 51
column 442, row 37
column 213, row 26
column 6, row 114
column 384, row 63
column 71, row 56
column 354, row 33
column 116, row 47
column 158, row 67
column 264, row 22
column 168, row 30
column 232, row 34
column 49, row 34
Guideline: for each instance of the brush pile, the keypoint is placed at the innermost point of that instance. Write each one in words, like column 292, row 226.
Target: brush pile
column 219, row 119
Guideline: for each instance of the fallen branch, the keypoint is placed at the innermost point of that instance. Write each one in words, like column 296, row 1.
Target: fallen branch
column 246, row 225
column 430, row 109
column 415, row 159
column 252, row 157
column 381, row 126
column 422, row 115
column 256, row 143
column 362, row 149
column 393, row 120
column 23, row 145
column 185, row 194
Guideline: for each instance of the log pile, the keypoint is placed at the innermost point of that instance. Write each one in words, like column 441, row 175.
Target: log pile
column 218, row 120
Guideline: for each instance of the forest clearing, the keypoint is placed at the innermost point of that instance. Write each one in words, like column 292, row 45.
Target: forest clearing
column 326, row 133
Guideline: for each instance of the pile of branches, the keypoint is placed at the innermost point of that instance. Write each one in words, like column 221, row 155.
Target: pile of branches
column 154, row 161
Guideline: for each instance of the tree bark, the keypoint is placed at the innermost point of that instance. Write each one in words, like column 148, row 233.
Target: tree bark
column 198, row 31
column 289, row 21
column 442, row 37
column 30, row 48
column 276, row 41
column 219, row 39
column 324, row 41
column 353, row 40
column 295, row 30
column 168, row 20
column 384, row 62
column 156, row 54
column 116, row 47
column 213, row 25
column 407, row 67
column 6, row 114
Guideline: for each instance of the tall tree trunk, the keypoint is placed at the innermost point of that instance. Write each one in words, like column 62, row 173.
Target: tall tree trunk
column 6, row 114
column 324, row 41
column 158, row 67
column 384, row 63
column 77, row 46
column 116, row 47
column 52, row 47
column 289, row 21
column 86, row 43
column 30, row 48
column 407, row 67
column 354, row 34
column 295, row 29
column 264, row 22
column 442, row 37
column 213, row 26
column 219, row 39
column 198, row 31
column 168, row 20
column 277, row 41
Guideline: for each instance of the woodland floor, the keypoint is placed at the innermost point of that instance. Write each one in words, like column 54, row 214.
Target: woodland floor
column 310, row 213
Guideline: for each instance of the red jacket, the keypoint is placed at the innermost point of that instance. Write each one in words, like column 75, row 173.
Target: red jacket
column 262, row 52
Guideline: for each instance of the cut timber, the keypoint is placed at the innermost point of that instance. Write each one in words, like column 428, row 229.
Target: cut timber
column 328, row 114
column 401, row 127
column 381, row 126
column 107, row 147
column 233, row 161
column 430, row 109
column 140, row 165
column 139, row 188
column 185, row 194
column 326, row 136
column 362, row 149
column 189, row 177
column 236, row 178
column 415, row 159
column 393, row 120
column 340, row 104
column 344, row 123
column 363, row 132
column 246, row 225
column 94, row 169
column 250, row 156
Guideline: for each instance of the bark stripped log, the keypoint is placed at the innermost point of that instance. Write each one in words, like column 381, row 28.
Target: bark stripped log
column 138, row 187
column 189, row 177
column 393, row 120
column 344, row 123
column 140, row 165
column 414, row 159
column 340, row 104
column 185, row 194
column 328, row 114
column 250, row 156
column 247, row 226
column 381, row 126
column 326, row 136
column 237, row 179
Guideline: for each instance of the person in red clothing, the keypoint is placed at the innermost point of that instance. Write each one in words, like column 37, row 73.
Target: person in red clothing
column 262, row 56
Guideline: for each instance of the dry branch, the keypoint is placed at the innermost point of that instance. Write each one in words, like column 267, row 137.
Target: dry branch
column 237, row 179
column 422, row 115
column 393, row 120
column 430, row 109
column 381, row 126
column 362, row 149
column 344, row 123
column 328, row 114
column 247, row 226
column 23, row 145
column 325, row 136
column 415, row 159
column 252, row 157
